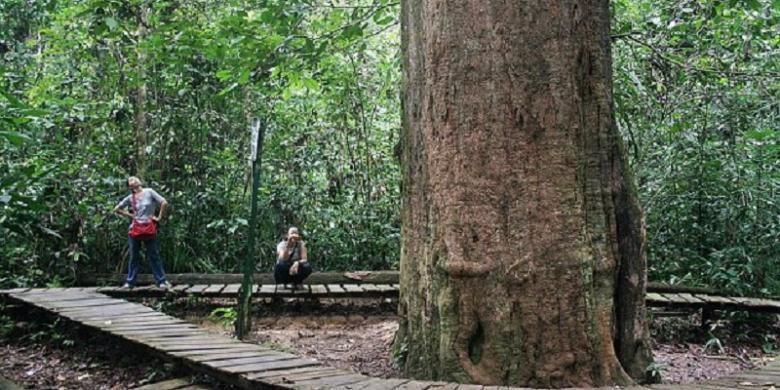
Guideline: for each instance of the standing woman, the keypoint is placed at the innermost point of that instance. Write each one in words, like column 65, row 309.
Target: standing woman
column 143, row 204
column 292, row 264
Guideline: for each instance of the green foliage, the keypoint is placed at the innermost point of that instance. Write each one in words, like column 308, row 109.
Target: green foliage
column 224, row 315
column 93, row 91
column 77, row 76
column 696, row 90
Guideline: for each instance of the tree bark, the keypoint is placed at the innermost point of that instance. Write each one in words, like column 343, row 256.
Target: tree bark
column 522, row 250
column 139, row 121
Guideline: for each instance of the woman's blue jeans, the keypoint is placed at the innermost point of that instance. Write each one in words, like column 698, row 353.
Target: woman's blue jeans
column 152, row 253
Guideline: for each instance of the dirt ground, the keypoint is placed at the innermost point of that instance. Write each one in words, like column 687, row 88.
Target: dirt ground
column 356, row 336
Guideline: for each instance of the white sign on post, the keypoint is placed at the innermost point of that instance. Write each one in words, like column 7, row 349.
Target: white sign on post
column 255, row 127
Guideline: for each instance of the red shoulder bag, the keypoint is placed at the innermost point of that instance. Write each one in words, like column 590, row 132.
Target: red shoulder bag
column 141, row 230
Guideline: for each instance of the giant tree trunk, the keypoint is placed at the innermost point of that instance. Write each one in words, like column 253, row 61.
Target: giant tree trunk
column 522, row 242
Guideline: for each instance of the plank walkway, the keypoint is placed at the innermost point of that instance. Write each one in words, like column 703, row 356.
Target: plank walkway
column 251, row 366
column 369, row 290
column 221, row 290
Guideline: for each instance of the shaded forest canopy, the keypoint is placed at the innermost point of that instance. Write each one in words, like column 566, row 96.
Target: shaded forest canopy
column 92, row 91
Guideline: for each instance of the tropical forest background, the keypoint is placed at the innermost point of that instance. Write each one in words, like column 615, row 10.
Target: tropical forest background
column 92, row 91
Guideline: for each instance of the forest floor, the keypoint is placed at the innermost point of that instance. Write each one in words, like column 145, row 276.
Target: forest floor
column 354, row 335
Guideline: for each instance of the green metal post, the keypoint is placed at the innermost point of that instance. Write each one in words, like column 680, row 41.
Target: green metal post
column 244, row 320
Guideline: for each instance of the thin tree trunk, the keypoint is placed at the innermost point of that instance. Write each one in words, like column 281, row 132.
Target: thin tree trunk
column 520, row 226
column 140, row 95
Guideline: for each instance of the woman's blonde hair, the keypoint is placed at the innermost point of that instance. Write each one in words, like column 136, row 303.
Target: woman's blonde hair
column 134, row 179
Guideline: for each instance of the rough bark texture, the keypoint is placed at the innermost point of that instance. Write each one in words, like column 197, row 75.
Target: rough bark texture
column 140, row 97
column 522, row 241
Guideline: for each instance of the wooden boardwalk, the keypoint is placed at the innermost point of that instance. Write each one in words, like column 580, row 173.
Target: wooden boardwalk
column 251, row 366
column 371, row 290
column 384, row 284
column 221, row 290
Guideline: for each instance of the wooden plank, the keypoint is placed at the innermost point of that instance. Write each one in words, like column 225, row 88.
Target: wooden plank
column 759, row 303
column 231, row 355
column 112, row 317
column 51, row 291
column 715, row 299
column 357, row 385
column 690, row 298
column 295, row 375
column 291, row 291
column 145, row 319
column 454, row 386
column 376, row 384
column 150, row 327
column 318, row 289
column 385, row 288
column 190, row 347
column 213, row 289
column 111, row 289
column 159, row 319
column 276, row 365
column 108, row 311
column 193, row 354
column 352, row 288
column 179, row 333
column 180, row 288
column 418, row 385
column 335, row 289
column 369, row 288
column 276, row 374
column 105, row 311
column 197, row 288
column 267, row 289
column 674, row 298
column 65, row 305
column 275, row 357
column 329, row 382
column 196, row 340
column 231, row 289
column 656, row 298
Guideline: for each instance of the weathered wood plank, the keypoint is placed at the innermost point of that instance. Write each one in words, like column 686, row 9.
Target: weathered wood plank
column 352, row 288
column 715, row 299
column 276, row 374
column 275, row 365
column 193, row 354
column 674, row 298
column 318, row 289
column 329, row 382
column 375, row 384
column 656, row 298
column 267, row 289
column 214, row 289
column 197, row 288
column 231, row 289
column 190, row 347
column 232, row 355
column 335, row 289
column 150, row 327
column 413, row 385
column 274, row 357
column 315, row 372
column 690, row 298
